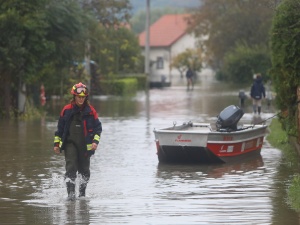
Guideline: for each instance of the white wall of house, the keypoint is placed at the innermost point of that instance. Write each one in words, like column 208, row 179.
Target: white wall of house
column 185, row 42
column 161, row 58
column 159, row 64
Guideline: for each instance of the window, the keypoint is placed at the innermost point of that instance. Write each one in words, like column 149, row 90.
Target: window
column 159, row 63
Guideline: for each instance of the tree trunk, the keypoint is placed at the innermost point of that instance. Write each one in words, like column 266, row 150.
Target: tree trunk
column 7, row 98
column 21, row 97
column 298, row 114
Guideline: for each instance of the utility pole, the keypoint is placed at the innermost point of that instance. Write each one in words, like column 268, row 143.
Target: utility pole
column 87, row 57
column 147, row 45
column 298, row 114
column 88, row 64
column 147, row 59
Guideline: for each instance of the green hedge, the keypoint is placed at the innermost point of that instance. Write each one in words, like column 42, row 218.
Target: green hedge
column 141, row 79
column 285, row 48
column 124, row 86
column 279, row 139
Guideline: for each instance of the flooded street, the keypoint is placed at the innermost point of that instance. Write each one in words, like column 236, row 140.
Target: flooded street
column 128, row 185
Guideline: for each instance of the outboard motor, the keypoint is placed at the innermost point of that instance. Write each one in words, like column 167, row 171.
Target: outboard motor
column 229, row 118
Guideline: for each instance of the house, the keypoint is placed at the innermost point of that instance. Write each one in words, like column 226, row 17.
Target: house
column 168, row 38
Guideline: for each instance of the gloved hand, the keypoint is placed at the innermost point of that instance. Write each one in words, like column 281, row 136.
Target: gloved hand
column 56, row 150
column 94, row 146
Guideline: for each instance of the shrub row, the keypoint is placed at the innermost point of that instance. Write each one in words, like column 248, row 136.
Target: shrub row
column 124, row 85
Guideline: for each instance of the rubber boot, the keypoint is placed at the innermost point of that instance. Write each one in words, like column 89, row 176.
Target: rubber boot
column 82, row 188
column 259, row 110
column 71, row 191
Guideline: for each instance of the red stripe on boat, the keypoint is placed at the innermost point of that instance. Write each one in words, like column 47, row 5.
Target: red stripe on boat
column 234, row 149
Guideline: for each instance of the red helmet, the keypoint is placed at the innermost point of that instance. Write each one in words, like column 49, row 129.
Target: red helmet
column 80, row 90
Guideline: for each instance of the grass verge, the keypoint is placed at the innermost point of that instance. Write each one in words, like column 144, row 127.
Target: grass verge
column 279, row 139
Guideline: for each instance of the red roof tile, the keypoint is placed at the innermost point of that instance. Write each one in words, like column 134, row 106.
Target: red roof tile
column 165, row 31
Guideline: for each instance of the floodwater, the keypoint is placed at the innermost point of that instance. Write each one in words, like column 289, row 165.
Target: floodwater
column 128, row 185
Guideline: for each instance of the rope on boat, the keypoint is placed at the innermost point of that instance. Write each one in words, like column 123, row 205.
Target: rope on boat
column 296, row 103
column 266, row 119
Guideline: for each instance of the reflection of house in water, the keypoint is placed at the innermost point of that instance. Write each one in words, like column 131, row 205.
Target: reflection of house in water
column 168, row 38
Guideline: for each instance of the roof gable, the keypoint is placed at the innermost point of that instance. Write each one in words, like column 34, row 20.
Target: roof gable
column 165, row 31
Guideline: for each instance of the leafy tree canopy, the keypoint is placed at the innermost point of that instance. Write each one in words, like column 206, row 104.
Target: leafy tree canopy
column 190, row 58
column 42, row 39
column 241, row 63
column 108, row 13
column 285, row 47
column 227, row 22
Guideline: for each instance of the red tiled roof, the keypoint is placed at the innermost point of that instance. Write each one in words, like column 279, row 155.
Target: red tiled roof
column 165, row 31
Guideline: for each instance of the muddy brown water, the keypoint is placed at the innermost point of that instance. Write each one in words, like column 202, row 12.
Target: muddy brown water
column 128, row 185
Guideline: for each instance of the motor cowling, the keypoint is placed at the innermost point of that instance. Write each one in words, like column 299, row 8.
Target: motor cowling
column 229, row 118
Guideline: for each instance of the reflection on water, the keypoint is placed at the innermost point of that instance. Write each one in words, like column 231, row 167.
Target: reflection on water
column 211, row 171
column 128, row 185
column 214, row 192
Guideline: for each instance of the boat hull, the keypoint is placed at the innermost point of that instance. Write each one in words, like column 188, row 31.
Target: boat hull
column 186, row 154
column 197, row 143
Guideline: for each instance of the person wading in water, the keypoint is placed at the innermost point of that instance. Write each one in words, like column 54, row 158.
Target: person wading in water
column 257, row 92
column 78, row 135
column 190, row 79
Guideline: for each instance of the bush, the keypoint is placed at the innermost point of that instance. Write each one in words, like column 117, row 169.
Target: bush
column 294, row 194
column 141, row 79
column 285, row 60
column 125, row 86
column 244, row 61
column 279, row 139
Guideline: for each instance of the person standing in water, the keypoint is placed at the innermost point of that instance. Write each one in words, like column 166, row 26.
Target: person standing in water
column 257, row 93
column 78, row 135
column 190, row 78
column 242, row 97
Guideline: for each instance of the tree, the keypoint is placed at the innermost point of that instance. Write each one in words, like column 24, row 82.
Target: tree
column 113, row 46
column 190, row 58
column 285, row 47
column 241, row 63
column 42, row 40
column 38, row 40
column 116, row 50
column 23, row 46
column 228, row 22
column 108, row 13
column 68, row 27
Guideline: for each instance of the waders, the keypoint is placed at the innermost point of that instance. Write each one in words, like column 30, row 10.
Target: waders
column 77, row 159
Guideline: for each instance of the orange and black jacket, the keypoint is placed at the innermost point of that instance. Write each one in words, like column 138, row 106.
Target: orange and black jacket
column 91, row 125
